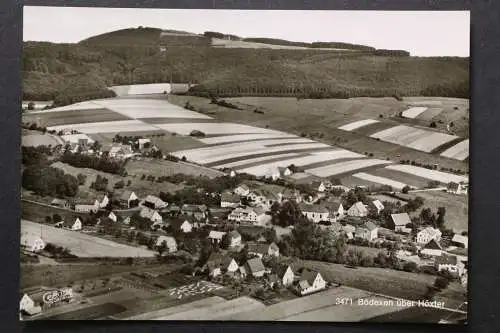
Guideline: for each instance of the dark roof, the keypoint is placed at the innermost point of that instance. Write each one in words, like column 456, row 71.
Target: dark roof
column 282, row 270
column 126, row 195
column 312, row 208
column 432, row 244
column 400, row 219
column 273, row 278
column 255, row 265
column 370, row 225
column 194, row 208
column 177, row 223
column 229, row 197
column 173, row 207
column 308, row 276
column 258, row 248
column 446, row 260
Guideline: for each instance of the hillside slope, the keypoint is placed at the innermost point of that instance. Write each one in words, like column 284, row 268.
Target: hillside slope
column 134, row 56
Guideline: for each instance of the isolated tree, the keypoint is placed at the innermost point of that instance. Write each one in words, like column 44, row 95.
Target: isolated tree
column 31, row 106
column 441, row 212
column 81, row 179
column 56, row 218
column 161, row 248
column 405, row 189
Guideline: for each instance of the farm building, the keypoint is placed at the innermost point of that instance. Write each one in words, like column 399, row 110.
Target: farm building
column 154, row 202
column 255, row 267
column 450, row 264
column 229, row 200
column 286, row 275
column 60, row 203
column 358, row 209
column 199, row 212
column 128, row 198
column 32, row 243
column 284, row 172
column 314, row 213
column 28, row 306
column 252, row 215
column 377, row 206
column 103, row 201
column 336, row 210
column 215, row 237
column 290, row 195
column 242, row 190
column 318, row 186
column 112, row 216
column 75, row 225
column 349, row 231
column 309, row 282
column 173, row 210
column 261, row 197
column 217, row 264
column 170, row 242
column 426, row 235
column 180, row 225
column 86, row 207
column 260, row 249
column 151, row 215
column 367, row 231
column 460, row 241
column 234, row 238
column 458, row 188
column 144, row 143
column 432, row 249
column 120, row 151
column 400, row 221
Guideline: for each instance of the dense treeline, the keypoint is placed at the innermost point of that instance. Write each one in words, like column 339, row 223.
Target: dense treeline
column 35, row 155
column 94, row 162
column 134, row 56
column 49, row 181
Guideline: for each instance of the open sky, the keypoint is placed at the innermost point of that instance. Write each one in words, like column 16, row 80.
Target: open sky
column 422, row 33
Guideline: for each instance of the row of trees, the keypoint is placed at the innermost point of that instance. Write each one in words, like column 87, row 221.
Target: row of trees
column 104, row 164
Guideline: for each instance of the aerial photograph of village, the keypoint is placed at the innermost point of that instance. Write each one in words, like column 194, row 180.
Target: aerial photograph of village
column 196, row 165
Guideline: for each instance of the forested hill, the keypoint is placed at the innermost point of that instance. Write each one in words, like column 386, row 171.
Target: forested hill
column 146, row 55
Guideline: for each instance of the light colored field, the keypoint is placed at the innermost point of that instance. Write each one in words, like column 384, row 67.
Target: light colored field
column 224, row 43
column 287, row 309
column 439, row 176
column 350, row 313
column 344, row 167
column 414, row 112
column 73, row 138
column 255, row 160
column 35, row 140
column 429, row 114
column 430, row 102
column 217, row 311
column 263, row 169
column 214, row 128
column 380, row 180
column 358, row 124
column 391, row 134
column 107, row 127
column 159, row 314
column 431, row 142
column 460, row 151
column 141, row 89
column 89, row 105
column 243, row 137
column 83, row 245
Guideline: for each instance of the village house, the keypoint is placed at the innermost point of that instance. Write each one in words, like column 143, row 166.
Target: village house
column 215, row 237
column 255, row 267
column 460, row 241
column 199, row 212
column 86, row 207
column 290, row 195
column 261, row 250
column 180, row 225
column 104, row 201
column 173, row 210
column 128, row 198
column 154, row 202
column 60, row 203
column 310, row 282
column 251, row 215
column 284, row 172
column 144, row 143
column 234, row 239
column 458, row 188
column 151, row 215
column 349, row 231
column 314, row 213
column 358, row 209
column 242, row 190
column 450, row 264
column 336, row 210
column 229, row 200
column 377, row 206
column 120, row 151
column 424, row 236
column 286, row 275
column 171, row 244
column 75, row 225
column 218, row 264
column 32, row 243
column 368, row 231
column 272, row 280
column 318, row 186
column 112, row 216
column 126, row 220
column 399, row 222
column 28, row 306
column 432, row 249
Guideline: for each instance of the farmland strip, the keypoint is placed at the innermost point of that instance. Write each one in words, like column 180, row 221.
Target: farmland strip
column 459, row 151
column 414, row 112
column 439, row 176
column 379, row 180
column 343, row 167
column 357, row 124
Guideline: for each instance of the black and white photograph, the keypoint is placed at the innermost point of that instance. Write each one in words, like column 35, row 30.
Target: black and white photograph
column 244, row 165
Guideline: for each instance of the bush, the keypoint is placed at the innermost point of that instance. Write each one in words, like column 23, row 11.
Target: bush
column 197, row 133
column 119, row 184
column 433, row 125
column 441, row 283
column 405, row 189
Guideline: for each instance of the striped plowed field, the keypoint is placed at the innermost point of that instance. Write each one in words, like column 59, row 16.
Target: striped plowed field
column 373, row 128
column 429, row 114
column 410, row 180
column 446, row 146
column 160, row 120
column 57, row 118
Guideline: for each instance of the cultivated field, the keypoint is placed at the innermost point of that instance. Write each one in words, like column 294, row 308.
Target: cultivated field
column 414, row 112
column 83, row 245
column 358, row 124
column 345, row 167
column 380, row 180
column 460, row 151
column 214, row 128
column 78, row 116
column 159, row 168
column 35, row 140
column 439, row 176
column 244, row 137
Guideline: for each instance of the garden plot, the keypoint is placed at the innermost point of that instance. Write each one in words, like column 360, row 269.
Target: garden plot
column 256, row 160
column 412, row 113
column 244, row 137
column 107, row 127
column 357, row 124
column 200, row 287
column 218, row 311
column 431, row 142
column 77, row 106
column 215, row 128
column 460, row 151
column 263, row 169
column 345, row 167
column 439, row 176
column 380, row 180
